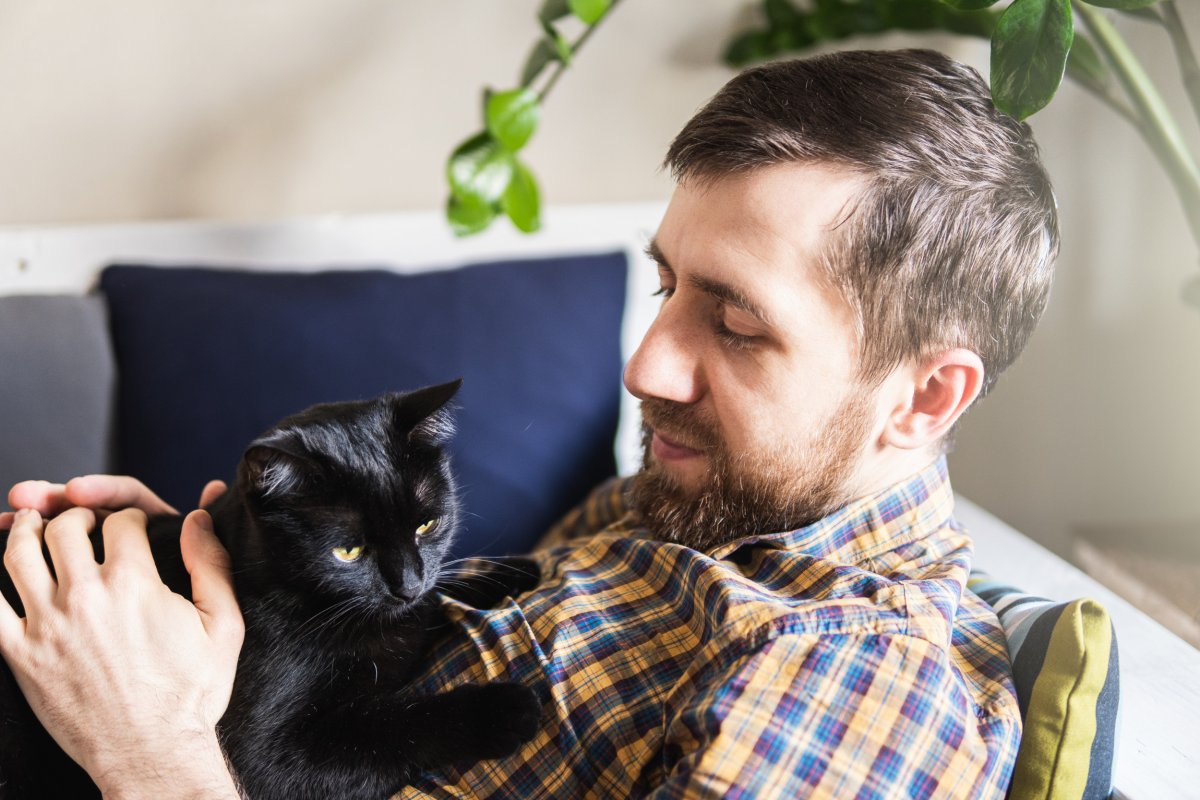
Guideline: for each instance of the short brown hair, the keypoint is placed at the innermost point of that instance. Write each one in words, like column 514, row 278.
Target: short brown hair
column 951, row 243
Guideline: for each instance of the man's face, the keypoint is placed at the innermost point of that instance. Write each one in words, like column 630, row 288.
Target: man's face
column 755, row 421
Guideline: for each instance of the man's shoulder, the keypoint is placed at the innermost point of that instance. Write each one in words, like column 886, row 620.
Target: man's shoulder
column 854, row 613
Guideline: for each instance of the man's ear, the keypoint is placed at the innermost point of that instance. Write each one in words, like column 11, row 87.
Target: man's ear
column 942, row 387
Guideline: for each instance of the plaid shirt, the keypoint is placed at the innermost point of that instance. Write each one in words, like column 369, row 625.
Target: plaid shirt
column 843, row 660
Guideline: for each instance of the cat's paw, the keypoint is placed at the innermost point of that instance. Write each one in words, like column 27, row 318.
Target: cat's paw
column 510, row 713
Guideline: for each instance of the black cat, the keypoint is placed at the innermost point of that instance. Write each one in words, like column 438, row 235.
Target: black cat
column 337, row 525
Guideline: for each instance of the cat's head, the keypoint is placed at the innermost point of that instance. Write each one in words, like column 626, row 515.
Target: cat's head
column 353, row 500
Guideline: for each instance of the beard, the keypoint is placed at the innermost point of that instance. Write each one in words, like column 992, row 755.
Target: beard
column 780, row 488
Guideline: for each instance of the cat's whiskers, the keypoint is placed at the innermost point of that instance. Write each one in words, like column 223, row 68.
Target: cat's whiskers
column 482, row 559
column 449, row 578
column 246, row 566
column 337, row 620
column 331, row 614
column 485, row 563
column 453, row 584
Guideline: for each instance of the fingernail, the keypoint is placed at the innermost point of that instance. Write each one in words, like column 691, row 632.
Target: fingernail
column 23, row 514
column 204, row 521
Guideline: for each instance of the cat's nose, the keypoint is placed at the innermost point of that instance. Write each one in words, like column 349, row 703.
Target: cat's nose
column 401, row 592
column 403, row 583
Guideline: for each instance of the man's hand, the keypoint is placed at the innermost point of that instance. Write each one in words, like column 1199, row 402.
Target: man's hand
column 129, row 677
column 101, row 493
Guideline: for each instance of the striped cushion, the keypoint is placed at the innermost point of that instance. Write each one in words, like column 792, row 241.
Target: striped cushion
column 1064, row 658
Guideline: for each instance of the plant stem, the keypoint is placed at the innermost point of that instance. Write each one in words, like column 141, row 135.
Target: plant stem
column 580, row 42
column 1184, row 53
column 1158, row 126
column 1105, row 94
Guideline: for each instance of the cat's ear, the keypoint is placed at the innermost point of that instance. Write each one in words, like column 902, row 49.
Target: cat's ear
column 273, row 472
column 423, row 413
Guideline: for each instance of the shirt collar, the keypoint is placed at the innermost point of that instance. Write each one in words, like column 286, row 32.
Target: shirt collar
column 868, row 527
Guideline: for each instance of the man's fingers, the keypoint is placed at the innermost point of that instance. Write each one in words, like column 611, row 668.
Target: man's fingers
column 125, row 540
column 212, row 583
column 12, row 628
column 48, row 499
column 70, row 546
column 212, row 490
column 97, row 492
column 24, row 560
column 114, row 491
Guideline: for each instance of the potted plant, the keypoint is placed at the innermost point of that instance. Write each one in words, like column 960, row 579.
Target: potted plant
column 1034, row 44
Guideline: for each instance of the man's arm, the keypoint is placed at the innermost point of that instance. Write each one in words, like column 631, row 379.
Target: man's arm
column 128, row 677
column 835, row 716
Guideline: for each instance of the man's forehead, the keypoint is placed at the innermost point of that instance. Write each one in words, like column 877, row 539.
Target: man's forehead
column 756, row 232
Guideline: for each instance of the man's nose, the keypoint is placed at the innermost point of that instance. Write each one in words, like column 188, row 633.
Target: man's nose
column 666, row 364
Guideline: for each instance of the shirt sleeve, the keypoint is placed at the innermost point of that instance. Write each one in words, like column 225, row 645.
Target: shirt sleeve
column 838, row 716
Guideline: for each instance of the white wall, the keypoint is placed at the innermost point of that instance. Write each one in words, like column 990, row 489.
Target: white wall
column 1098, row 424
column 266, row 109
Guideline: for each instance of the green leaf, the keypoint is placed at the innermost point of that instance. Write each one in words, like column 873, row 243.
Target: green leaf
column 469, row 215
column 522, row 202
column 798, row 26
column 1124, row 5
column 512, row 117
column 749, row 47
column 590, row 11
column 970, row 5
column 562, row 47
column 1085, row 63
column 910, row 16
column 1029, row 54
column 552, row 10
column 543, row 53
column 780, row 13
column 480, row 168
column 972, row 23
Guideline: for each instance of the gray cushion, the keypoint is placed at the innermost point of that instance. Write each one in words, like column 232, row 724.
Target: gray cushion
column 56, row 388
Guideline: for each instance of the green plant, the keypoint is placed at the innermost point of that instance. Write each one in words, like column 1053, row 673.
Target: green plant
column 486, row 175
column 1034, row 43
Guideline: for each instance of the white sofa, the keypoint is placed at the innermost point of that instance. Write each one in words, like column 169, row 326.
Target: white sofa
column 1158, row 746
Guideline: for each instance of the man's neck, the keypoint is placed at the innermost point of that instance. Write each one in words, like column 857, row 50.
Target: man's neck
column 883, row 468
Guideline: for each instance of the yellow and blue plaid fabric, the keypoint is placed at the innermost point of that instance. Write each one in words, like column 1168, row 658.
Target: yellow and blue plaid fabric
column 843, row 660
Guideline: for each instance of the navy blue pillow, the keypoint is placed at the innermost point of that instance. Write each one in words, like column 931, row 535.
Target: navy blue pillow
column 207, row 359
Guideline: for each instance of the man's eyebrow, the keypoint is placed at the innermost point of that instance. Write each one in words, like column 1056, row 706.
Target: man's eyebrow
column 723, row 292
column 653, row 253
column 731, row 296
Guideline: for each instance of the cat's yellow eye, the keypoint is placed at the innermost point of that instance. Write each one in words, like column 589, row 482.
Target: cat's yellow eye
column 347, row 553
column 427, row 527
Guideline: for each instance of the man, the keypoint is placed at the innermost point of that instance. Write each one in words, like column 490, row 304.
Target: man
column 857, row 246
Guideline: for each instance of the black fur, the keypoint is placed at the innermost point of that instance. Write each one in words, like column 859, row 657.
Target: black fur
column 320, row 706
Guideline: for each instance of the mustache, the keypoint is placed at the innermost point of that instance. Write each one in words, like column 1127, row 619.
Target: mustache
column 680, row 423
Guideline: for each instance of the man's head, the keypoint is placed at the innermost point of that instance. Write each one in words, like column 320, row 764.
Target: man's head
column 858, row 245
